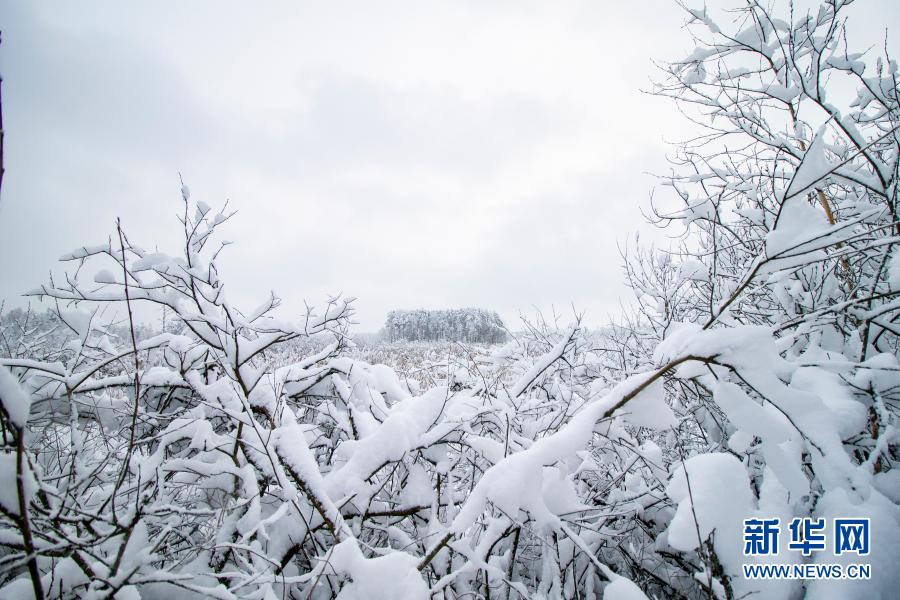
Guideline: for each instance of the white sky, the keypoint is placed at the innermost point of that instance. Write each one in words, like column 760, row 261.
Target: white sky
column 411, row 154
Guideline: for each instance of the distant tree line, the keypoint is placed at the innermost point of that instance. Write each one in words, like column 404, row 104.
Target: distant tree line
column 55, row 328
column 458, row 325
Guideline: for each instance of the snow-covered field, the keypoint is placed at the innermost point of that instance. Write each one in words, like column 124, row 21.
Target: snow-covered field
column 419, row 365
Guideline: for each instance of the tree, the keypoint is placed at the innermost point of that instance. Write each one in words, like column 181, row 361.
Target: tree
column 472, row 325
column 789, row 207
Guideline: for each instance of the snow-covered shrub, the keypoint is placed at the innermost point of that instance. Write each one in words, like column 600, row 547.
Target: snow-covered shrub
column 783, row 278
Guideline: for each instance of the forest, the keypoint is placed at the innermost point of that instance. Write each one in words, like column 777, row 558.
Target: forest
column 459, row 325
column 245, row 453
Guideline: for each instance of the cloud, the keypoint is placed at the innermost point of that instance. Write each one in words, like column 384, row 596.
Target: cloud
column 410, row 154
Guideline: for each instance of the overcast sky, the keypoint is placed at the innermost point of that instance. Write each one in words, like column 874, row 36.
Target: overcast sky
column 410, row 154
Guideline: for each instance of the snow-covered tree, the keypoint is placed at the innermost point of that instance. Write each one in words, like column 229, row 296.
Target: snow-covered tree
column 472, row 325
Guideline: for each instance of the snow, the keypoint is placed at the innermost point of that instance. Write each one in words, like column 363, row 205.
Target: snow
column 388, row 383
column 798, row 223
column 742, row 346
column 740, row 441
column 713, row 494
column 621, row 588
column 149, row 261
column 292, row 447
column 85, row 251
column 702, row 210
column 80, row 320
column 510, row 484
column 884, row 547
column 541, row 365
column 418, row 489
column 694, row 74
column 104, row 276
column 785, row 94
column 390, row 577
column 559, row 493
column 750, row 416
column 399, row 433
column 649, row 409
column 9, row 494
column 693, row 270
column 15, row 401
column 893, row 275
column 814, row 167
